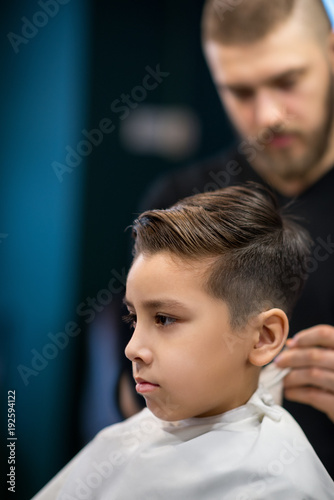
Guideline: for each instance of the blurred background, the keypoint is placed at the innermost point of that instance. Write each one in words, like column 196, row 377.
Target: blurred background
column 97, row 100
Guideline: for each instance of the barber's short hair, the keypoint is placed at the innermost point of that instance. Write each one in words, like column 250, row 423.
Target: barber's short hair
column 256, row 256
column 232, row 22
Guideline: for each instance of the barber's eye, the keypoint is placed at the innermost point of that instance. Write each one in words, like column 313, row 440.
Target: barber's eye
column 287, row 84
column 243, row 94
column 162, row 320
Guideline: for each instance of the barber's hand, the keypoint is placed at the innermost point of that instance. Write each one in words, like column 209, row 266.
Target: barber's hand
column 310, row 354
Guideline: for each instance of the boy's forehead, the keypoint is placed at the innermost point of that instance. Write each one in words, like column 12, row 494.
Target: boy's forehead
column 164, row 276
column 162, row 265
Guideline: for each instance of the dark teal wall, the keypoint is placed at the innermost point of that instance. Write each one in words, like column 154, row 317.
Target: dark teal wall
column 44, row 90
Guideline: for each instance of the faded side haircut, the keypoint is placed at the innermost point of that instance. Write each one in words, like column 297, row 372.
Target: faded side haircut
column 256, row 257
column 233, row 22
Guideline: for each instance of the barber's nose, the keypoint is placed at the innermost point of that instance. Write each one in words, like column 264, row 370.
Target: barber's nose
column 138, row 349
column 269, row 112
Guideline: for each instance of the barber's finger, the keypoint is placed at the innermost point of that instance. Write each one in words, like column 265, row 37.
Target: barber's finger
column 321, row 400
column 299, row 357
column 320, row 335
column 316, row 377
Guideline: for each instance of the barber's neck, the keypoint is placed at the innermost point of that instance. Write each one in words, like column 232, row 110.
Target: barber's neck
column 291, row 188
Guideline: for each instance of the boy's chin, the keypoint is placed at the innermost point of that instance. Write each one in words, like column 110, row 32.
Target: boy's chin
column 169, row 413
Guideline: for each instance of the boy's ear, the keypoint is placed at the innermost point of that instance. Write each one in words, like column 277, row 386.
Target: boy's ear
column 269, row 336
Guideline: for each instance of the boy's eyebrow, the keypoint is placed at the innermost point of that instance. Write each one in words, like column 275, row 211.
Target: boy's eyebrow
column 156, row 304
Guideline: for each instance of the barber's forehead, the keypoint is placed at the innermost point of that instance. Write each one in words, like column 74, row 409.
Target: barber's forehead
column 329, row 6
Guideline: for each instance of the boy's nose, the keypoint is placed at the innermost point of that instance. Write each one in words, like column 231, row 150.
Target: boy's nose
column 137, row 349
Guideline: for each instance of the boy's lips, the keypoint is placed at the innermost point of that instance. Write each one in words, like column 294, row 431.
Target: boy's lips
column 144, row 386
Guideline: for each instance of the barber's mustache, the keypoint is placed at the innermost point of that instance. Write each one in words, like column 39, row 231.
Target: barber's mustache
column 266, row 135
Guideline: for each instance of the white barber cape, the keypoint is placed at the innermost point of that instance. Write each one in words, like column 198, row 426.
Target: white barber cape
column 256, row 451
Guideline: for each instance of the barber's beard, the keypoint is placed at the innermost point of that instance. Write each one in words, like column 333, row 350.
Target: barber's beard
column 288, row 164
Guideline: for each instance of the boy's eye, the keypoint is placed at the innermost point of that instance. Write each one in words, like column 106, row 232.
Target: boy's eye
column 159, row 319
column 131, row 319
column 162, row 320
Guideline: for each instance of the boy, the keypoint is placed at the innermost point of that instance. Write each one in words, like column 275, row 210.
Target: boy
column 209, row 292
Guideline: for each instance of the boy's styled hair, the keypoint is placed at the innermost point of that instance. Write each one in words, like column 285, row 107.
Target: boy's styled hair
column 256, row 256
column 249, row 21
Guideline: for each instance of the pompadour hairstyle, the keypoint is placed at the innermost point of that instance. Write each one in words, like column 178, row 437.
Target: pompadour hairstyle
column 256, row 257
column 245, row 21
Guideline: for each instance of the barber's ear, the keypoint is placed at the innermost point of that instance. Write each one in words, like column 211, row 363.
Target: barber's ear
column 270, row 335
